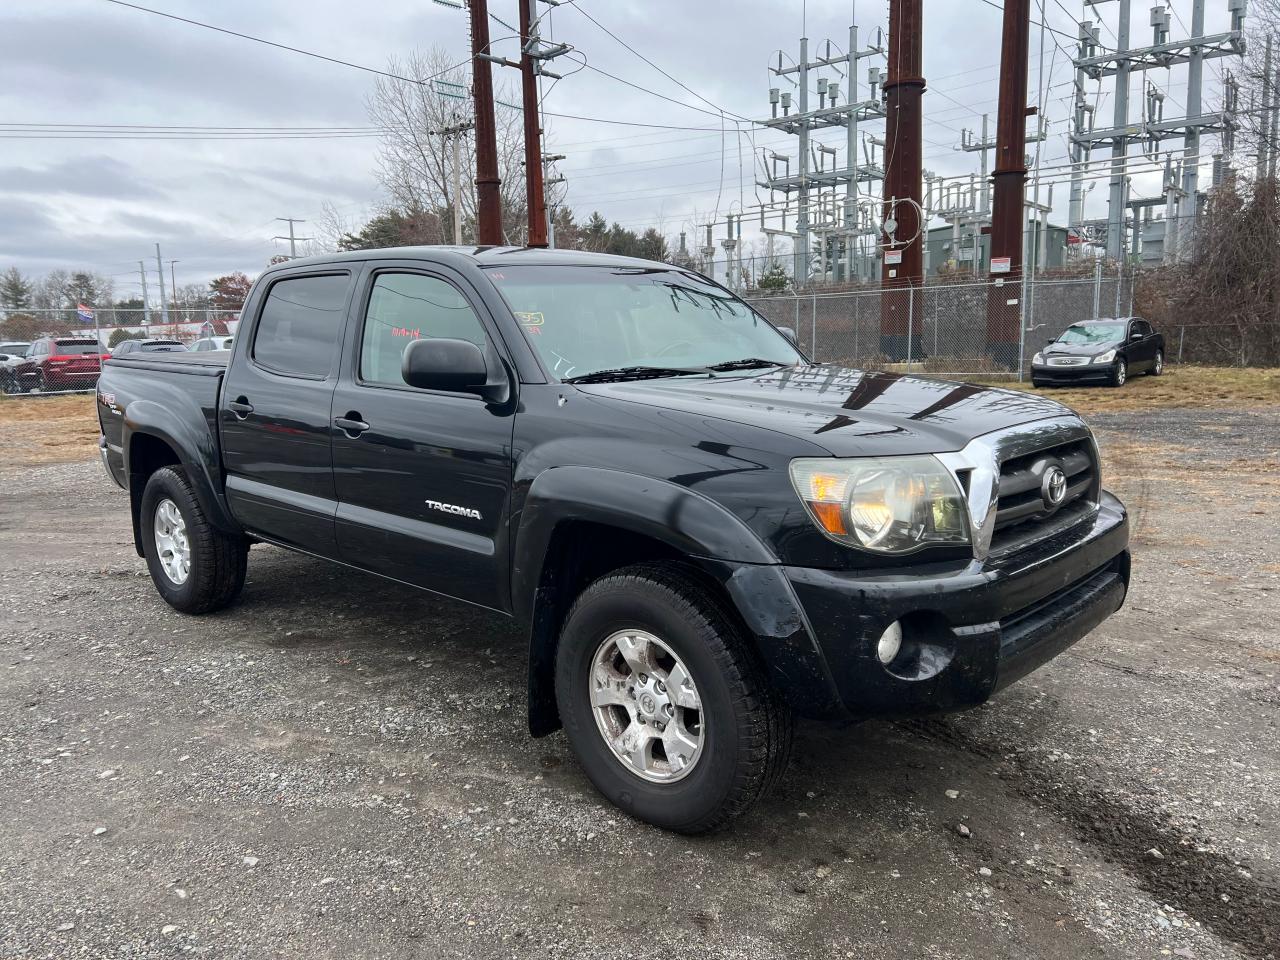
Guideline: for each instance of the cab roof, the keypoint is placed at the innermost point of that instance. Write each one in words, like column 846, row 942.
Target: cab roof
column 481, row 256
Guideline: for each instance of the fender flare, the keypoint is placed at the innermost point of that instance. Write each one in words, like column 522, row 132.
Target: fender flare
column 713, row 539
column 195, row 448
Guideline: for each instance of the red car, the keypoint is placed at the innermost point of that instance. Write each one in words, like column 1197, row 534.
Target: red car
column 61, row 363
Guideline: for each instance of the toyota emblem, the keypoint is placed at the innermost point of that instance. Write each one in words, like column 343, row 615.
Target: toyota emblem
column 1053, row 490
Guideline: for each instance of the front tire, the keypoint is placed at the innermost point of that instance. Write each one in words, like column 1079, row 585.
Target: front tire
column 1119, row 372
column 664, row 702
column 195, row 566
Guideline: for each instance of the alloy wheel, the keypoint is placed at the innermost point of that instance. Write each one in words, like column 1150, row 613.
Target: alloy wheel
column 646, row 706
column 172, row 546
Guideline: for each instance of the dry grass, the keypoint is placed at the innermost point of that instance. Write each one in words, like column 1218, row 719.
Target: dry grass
column 38, row 430
column 1199, row 387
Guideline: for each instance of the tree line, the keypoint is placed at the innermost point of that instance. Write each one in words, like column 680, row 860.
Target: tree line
column 47, row 304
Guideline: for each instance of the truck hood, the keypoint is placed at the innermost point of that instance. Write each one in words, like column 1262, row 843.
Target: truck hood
column 848, row 412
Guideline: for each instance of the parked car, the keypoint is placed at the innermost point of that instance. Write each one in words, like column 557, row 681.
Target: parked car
column 212, row 343
column 703, row 533
column 126, row 347
column 1099, row 351
column 11, row 354
column 60, row 363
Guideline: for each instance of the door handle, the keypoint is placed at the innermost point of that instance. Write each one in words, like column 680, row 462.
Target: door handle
column 351, row 424
column 241, row 407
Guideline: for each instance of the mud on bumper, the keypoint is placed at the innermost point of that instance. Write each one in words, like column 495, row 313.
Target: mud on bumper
column 968, row 631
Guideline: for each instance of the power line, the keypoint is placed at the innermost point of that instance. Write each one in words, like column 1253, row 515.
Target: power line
column 283, row 46
column 578, row 7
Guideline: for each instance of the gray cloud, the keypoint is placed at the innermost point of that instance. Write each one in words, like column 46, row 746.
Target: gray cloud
column 103, row 203
column 87, row 176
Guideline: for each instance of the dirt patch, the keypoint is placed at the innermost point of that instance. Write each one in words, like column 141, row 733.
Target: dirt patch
column 38, row 430
column 1174, row 862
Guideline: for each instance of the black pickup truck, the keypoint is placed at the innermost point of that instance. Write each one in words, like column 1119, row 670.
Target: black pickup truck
column 705, row 533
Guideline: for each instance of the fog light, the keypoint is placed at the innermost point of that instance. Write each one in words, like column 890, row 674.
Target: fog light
column 890, row 643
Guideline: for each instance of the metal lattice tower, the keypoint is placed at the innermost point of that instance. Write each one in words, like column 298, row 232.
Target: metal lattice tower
column 819, row 210
column 1093, row 62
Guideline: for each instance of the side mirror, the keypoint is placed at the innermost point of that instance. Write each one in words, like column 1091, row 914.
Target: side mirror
column 455, row 365
column 442, row 364
column 790, row 334
column 1050, row 342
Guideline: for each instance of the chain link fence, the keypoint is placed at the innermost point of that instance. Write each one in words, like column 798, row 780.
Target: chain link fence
column 113, row 325
column 955, row 327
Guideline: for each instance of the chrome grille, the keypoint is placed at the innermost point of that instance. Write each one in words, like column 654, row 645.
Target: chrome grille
column 1022, row 513
column 1068, row 361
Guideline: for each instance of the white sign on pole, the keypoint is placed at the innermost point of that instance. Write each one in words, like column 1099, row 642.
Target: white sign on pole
column 1001, row 264
column 893, row 256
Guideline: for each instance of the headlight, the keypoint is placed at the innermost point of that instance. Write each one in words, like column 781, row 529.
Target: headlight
column 1038, row 359
column 1105, row 357
column 885, row 504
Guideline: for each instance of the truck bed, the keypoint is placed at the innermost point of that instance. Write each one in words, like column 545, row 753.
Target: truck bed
column 141, row 389
column 206, row 363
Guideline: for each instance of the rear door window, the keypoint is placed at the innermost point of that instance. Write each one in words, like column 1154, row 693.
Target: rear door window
column 300, row 326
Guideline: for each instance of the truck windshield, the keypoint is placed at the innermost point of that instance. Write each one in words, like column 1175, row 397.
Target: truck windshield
column 586, row 319
column 1092, row 333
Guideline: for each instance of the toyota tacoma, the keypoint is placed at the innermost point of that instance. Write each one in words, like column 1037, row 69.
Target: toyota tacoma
column 704, row 533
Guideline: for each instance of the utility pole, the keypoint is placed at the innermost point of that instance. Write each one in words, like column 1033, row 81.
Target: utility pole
column 1191, row 141
column 173, row 287
column 535, row 196
column 164, row 306
column 1082, row 123
column 903, row 267
column 1266, row 148
column 455, row 132
column 488, row 197
column 1120, row 140
column 293, row 241
column 1007, row 214
column 142, row 272
column 456, row 140
column 547, row 161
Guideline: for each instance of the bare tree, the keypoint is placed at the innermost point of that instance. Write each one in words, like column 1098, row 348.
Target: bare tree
column 415, row 160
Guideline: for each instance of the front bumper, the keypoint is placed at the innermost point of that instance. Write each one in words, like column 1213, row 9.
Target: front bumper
column 968, row 630
column 1084, row 373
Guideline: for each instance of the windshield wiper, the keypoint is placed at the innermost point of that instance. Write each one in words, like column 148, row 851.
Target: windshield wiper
column 638, row 373
column 750, row 363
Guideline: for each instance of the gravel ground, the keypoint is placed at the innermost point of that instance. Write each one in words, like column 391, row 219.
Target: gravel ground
column 338, row 767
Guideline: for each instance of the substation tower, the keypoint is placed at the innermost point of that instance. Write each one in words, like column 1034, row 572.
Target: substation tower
column 835, row 232
column 1181, row 196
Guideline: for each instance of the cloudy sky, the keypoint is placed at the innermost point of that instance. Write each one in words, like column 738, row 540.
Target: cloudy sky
column 103, row 203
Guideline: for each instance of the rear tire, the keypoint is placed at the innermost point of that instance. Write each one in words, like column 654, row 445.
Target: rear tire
column 1157, row 368
column 742, row 729
column 1119, row 372
column 200, row 569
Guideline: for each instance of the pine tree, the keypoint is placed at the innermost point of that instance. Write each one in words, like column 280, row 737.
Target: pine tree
column 15, row 291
